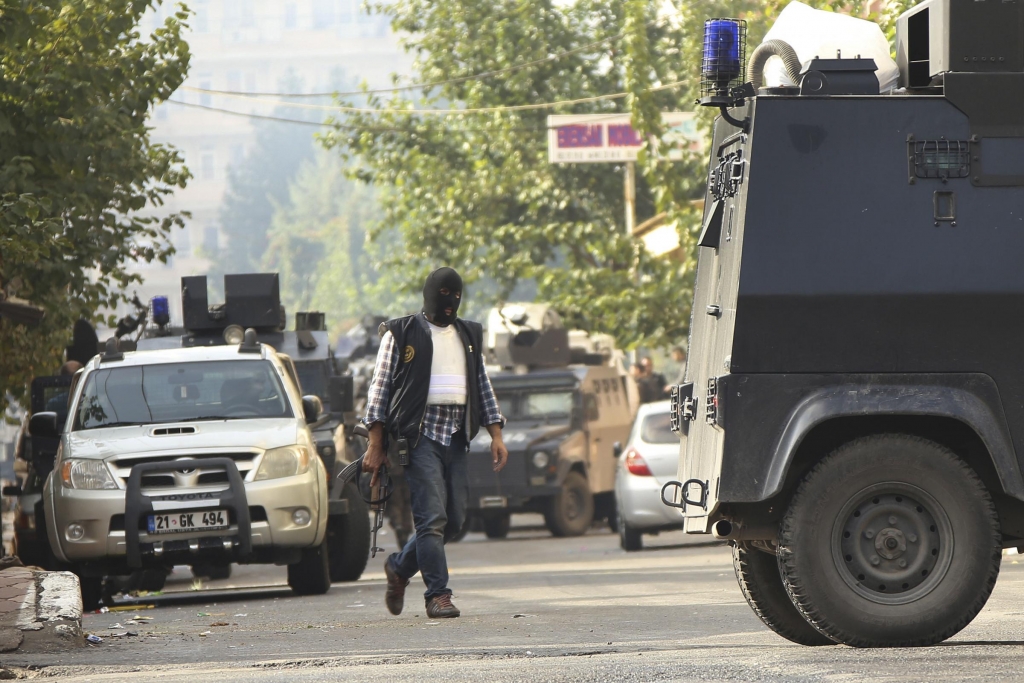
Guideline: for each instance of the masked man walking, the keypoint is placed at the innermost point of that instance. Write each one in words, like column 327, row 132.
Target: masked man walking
column 428, row 398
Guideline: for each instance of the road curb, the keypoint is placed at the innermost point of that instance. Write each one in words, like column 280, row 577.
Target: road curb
column 39, row 611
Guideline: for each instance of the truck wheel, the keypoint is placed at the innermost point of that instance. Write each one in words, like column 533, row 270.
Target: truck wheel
column 890, row 541
column 149, row 580
column 570, row 512
column 630, row 539
column 92, row 592
column 757, row 572
column 213, row 572
column 348, row 538
column 44, row 553
column 497, row 525
column 312, row 574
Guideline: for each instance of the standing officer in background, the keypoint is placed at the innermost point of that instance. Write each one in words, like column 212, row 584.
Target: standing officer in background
column 428, row 398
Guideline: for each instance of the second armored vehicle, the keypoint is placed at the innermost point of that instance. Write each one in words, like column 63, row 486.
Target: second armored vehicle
column 853, row 419
column 569, row 406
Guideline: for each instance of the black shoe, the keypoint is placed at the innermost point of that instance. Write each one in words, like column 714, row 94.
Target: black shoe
column 441, row 607
column 394, row 596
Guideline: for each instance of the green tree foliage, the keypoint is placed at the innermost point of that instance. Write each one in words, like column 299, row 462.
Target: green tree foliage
column 255, row 187
column 317, row 243
column 476, row 191
column 79, row 177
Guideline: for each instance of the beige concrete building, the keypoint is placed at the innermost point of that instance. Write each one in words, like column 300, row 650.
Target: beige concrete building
column 252, row 46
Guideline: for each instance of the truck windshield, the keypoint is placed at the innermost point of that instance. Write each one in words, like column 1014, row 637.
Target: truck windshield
column 547, row 406
column 180, row 392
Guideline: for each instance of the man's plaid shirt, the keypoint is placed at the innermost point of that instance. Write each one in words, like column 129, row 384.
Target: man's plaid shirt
column 439, row 422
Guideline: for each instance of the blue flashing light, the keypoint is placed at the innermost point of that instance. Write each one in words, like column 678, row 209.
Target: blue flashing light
column 161, row 310
column 721, row 61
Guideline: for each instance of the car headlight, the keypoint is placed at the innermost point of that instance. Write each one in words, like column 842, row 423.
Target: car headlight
column 283, row 462
column 541, row 460
column 86, row 474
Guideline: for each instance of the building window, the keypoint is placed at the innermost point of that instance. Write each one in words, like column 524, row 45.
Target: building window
column 202, row 19
column 161, row 112
column 211, row 239
column 207, row 165
column 237, row 154
column 205, row 83
column 248, row 13
column 323, row 13
column 183, row 242
column 234, row 81
column 250, row 81
column 291, row 15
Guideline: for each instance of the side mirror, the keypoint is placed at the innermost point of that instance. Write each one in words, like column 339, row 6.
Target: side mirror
column 44, row 425
column 341, row 393
column 312, row 408
column 12, row 490
column 617, row 449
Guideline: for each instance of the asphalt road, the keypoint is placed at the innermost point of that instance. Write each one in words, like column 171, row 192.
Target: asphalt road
column 534, row 608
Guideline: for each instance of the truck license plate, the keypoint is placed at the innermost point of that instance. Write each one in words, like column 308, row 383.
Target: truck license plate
column 188, row 521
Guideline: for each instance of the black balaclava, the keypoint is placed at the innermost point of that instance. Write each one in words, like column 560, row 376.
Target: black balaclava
column 435, row 303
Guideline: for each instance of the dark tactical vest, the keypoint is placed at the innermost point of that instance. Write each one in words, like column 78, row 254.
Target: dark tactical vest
column 412, row 375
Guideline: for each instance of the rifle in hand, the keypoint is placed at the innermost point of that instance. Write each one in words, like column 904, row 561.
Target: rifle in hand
column 378, row 497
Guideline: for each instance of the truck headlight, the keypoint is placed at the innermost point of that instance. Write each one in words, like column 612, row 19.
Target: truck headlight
column 283, row 462
column 540, row 460
column 86, row 474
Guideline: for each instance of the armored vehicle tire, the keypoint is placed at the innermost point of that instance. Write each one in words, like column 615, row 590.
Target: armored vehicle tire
column 497, row 525
column 890, row 541
column 757, row 573
column 312, row 574
column 213, row 572
column 348, row 538
column 570, row 512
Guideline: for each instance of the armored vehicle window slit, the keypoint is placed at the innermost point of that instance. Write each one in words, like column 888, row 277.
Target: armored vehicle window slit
column 941, row 159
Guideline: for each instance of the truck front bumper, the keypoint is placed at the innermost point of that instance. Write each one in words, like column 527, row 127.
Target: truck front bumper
column 271, row 505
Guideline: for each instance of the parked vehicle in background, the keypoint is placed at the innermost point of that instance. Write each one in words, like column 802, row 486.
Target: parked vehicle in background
column 568, row 400
column 648, row 462
column 35, row 455
column 252, row 300
column 187, row 456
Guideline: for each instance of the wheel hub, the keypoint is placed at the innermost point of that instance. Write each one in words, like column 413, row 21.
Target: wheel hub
column 892, row 543
column 573, row 505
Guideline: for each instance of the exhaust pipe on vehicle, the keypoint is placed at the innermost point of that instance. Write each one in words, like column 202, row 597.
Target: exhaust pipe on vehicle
column 731, row 530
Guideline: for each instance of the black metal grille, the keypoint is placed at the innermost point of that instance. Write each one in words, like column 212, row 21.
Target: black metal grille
column 727, row 176
column 722, row 62
column 941, row 158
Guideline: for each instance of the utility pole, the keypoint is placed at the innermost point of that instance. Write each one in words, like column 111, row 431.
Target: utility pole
column 629, row 186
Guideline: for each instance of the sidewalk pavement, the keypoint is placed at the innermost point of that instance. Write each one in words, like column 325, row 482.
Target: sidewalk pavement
column 39, row 611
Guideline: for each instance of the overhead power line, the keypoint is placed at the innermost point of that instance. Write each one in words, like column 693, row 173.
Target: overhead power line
column 448, row 112
column 326, row 124
column 434, row 84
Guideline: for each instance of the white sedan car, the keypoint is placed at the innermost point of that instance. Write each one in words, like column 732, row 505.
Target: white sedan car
column 648, row 461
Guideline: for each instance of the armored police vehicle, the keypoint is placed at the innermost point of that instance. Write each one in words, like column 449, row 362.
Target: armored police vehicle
column 569, row 406
column 855, row 399
column 253, row 301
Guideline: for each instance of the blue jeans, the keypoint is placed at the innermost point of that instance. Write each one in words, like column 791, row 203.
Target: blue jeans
column 439, row 486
